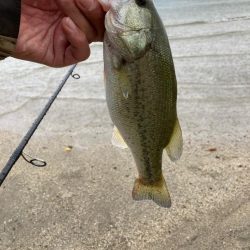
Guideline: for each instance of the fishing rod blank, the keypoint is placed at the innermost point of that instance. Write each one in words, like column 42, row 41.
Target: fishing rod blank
column 19, row 150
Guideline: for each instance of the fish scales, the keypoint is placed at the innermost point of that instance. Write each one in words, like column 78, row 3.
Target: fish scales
column 141, row 94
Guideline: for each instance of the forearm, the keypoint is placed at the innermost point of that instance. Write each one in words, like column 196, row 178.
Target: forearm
column 9, row 26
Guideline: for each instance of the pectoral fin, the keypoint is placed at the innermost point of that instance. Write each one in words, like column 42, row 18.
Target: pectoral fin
column 175, row 145
column 116, row 61
column 117, row 139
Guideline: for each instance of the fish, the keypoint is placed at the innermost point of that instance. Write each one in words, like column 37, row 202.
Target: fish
column 141, row 93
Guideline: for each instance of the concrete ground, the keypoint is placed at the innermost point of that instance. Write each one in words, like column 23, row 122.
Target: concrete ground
column 82, row 199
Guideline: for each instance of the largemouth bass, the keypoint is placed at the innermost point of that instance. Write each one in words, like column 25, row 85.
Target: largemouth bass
column 141, row 93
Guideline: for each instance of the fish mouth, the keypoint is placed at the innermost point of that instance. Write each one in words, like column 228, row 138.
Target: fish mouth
column 116, row 5
column 112, row 24
column 131, row 39
column 114, row 20
column 115, row 26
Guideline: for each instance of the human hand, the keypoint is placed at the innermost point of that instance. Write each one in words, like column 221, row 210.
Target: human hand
column 57, row 33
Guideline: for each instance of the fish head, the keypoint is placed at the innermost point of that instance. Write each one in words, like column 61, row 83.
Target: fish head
column 128, row 27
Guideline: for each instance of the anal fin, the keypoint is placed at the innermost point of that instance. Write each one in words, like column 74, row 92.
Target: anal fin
column 117, row 139
column 175, row 146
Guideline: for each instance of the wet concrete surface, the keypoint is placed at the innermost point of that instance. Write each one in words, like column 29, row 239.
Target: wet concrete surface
column 82, row 200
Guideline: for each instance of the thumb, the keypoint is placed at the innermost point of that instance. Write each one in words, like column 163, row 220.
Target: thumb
column 105, row 4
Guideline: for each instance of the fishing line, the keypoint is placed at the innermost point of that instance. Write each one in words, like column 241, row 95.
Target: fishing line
column 18, row 152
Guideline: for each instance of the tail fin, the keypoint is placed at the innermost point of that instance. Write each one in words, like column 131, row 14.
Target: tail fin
column 157, row 192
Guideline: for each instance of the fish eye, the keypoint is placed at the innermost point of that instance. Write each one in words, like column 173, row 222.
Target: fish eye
column 141, row 2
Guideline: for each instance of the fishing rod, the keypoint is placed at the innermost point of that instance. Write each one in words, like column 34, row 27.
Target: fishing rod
column 18, row 152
